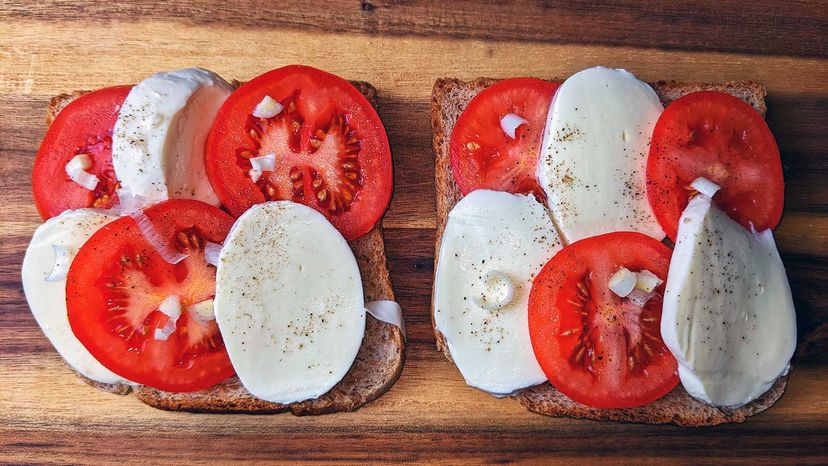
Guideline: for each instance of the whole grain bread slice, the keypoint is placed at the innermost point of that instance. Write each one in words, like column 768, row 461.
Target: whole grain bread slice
column 449, row 98
column 377, row 366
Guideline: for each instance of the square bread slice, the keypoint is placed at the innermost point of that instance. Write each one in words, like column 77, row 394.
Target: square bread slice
column 378, row 364
column 448, row 99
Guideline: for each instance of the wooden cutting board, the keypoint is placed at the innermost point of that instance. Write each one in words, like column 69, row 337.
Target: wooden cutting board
column 49, row 47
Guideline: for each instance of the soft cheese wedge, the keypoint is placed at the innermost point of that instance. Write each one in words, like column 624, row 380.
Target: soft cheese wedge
column 594, row 154
column 50, row 253
column 493, row 245
column 159, row 136
column 289, row 302
column 728, row 316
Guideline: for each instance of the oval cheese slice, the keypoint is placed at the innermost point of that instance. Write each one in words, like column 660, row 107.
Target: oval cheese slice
column 594, row 154
column 47, row 299
column 491, row 235
column 728, row 316
column 159, row 136
column 288, row 302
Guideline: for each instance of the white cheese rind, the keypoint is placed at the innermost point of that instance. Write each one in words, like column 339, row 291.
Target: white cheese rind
column 159, row 136
column 288, row 302
column 492, row 231
column 594, row 154
column 47, row 299
column 728, row 316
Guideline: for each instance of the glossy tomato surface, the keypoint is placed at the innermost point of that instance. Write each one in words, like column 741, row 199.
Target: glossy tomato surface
column 117, row 282
column 595, row 347
column 330, row 148
column 84, row 126
column 483, row 156
column 719, row 137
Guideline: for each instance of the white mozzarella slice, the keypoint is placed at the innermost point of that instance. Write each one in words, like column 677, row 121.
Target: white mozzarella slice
column 159, row 136
column 47, row 299
column 288, row 302
column 728, row 316
column 594, row 154
column 490, row 235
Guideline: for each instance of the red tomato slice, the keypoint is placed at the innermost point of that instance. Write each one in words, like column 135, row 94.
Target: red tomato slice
column 596, row 348
column 483, row 156
column 719, row 137
column 117, row 281
column 331, row 149
column 84, row 126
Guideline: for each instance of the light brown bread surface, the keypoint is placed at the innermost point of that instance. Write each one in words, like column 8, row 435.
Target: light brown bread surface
column 377, row 366
column 449, row 98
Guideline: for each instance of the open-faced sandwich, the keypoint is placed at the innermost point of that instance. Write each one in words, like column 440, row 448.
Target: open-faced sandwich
column 218, row 247
column 554, row 282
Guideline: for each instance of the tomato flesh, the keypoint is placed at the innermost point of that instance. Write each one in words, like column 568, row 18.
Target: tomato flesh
column 595, row 347
column 483, row 156
column 330, row 146
column 719, row 137
column 117, row 282
column 84, row 126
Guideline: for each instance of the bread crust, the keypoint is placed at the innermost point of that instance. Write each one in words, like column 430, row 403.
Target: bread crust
column 378, row 363
column 448, row 99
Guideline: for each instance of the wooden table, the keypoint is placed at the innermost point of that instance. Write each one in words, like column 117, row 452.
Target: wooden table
column 48, row 47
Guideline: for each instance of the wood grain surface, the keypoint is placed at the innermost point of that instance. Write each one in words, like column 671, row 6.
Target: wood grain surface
column 48, row 416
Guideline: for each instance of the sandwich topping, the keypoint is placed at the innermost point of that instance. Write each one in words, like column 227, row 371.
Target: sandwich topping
column 168, row 290
column 609, row 326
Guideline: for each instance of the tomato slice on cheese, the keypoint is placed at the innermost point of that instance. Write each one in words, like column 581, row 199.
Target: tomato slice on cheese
column 118, row 281
column 483, row 156
column 595, row 347
column 330, row 147
column 719, row 137
column 84, row 126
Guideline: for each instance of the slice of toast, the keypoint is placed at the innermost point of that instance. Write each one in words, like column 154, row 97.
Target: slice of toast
column 376, row 368
column 449, row 98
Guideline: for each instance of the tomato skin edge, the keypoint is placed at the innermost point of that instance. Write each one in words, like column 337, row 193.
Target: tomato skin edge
column 545, row 343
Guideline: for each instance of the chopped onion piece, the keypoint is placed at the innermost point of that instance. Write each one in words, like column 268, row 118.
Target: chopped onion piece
column 61, row 267
column 622, row 282
column 489, row 298
column 203, row 311
column 79, row 162
column 705, row 186
column 254, row 175
column 510, row 123
column 264, row 163
column 76, row 170
column 640, row 297
column 647, row 281
column 129, row 203
column 211, row 253
column 164, row 332
column 171, row 307
column 151, row 235
column 267, row 108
